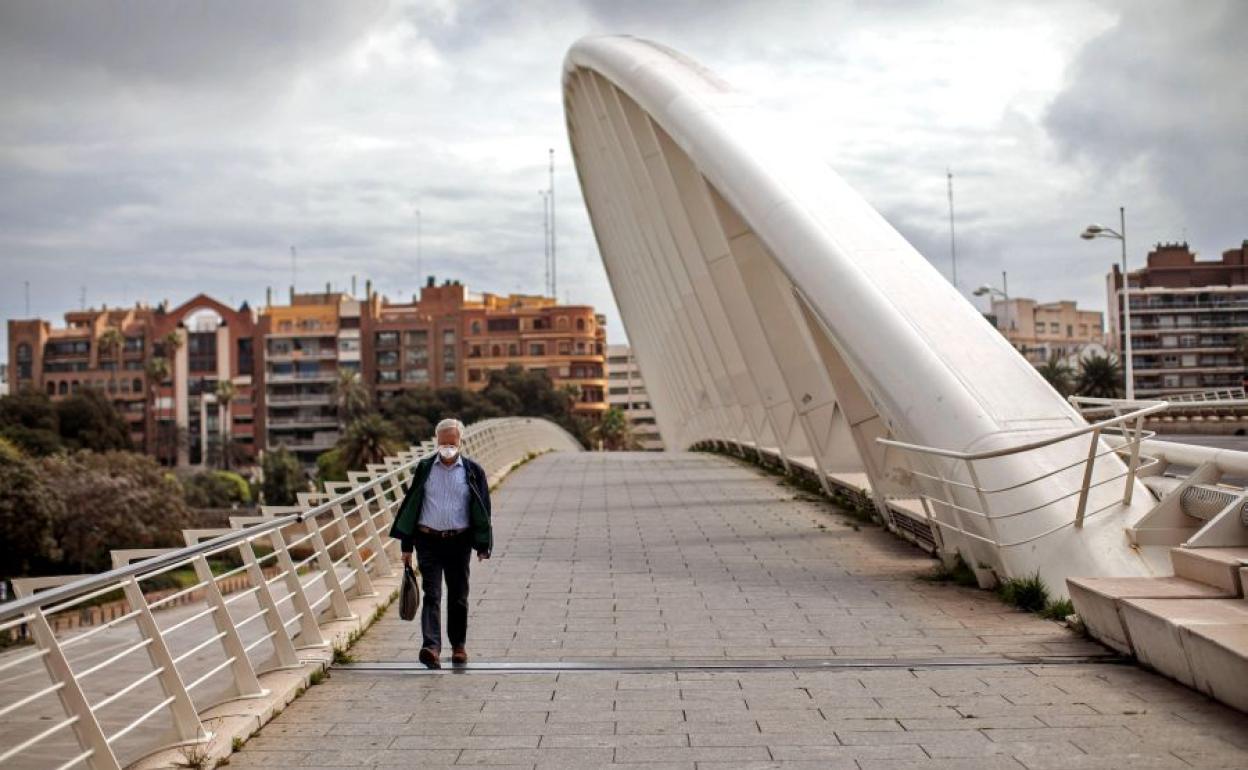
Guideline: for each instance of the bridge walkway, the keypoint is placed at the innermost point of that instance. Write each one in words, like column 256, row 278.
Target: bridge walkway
column 687, row 611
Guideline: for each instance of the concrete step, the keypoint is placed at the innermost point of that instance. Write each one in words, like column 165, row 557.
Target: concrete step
column 1218, row 567
column 1096, row 601
column 1202, row 643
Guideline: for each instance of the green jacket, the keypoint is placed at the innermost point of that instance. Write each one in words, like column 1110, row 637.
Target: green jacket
column 408, row 517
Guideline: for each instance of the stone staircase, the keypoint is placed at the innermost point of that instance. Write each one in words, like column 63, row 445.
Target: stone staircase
column 1192, row 626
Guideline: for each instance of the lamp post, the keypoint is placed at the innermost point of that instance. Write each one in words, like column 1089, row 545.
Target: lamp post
column 989, row 290
column 1099, row 231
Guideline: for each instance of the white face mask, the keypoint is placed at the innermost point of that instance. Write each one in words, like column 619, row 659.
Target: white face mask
column 447, row 451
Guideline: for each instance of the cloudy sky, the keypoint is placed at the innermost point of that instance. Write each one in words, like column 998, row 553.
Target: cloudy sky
column 150, row 150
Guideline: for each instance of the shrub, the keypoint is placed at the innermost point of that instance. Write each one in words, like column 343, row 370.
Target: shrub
column 1058, row 610
column 216, row 489
column 1026, row 593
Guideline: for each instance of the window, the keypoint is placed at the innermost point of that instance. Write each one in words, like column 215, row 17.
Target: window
column 348, row 345
column 24, row 357
column 1070, row 330
column 133, row 345
column 474, row 351
column 387, row 339
column 541, row 323
column 564, row 348
column 503, row 324
column 51, row 388
column 580, row 347
column 246, row 356
column 418, row 337
column 537, row 349
column 388, row 358
column 416, row 375
column 513, row 350
column 562, row 322
column 476, row 327
column 580, row 324
column 474, row 375
column 63, row 388
column 448, row 377
column 137, row 385
column 386, row 376
column 496, row 351
column 1054, row 327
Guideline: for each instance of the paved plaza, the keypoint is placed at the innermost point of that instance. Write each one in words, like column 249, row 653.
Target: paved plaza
column 622, row 586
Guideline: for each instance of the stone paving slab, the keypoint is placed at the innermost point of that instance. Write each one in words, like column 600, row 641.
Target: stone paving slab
column 695, row 557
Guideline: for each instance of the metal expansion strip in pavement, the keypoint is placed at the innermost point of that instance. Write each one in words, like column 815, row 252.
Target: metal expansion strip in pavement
column 530, row 667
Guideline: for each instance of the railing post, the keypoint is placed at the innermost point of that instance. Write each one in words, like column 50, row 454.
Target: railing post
column 90, row 735
column 1134, row 463
column 244, row 674
column 186, row 722
column 309, row 629
column 1087, row 478
column 283, row 644
column 382, row 561
column 337, row 597
column 363, row 583
column 983, row 501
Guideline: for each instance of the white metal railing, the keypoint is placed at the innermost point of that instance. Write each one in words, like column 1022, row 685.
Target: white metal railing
column 951, row 480
column 140, row 681
column 1209, row 396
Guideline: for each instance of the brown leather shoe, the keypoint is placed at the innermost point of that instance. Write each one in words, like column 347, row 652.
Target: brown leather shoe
column 459, row 656
column 429, row 657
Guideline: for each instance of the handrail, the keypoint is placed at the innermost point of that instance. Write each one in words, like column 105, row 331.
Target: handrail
column 1150, row 407
column 155, row 563
column 339, row 576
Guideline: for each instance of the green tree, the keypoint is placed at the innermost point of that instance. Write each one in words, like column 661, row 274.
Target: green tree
column 351, row 396
column 29, row 511
column 225, row 394
column 89, row 420
column 28, row 419
column 1058, row 374
column 112, row 341
column 614, row 430
column 112, row 500
column 1100, row 377
column 330, row 467
column 368, row 440
column 155, row 371
column 283, row 477
column 216, row 489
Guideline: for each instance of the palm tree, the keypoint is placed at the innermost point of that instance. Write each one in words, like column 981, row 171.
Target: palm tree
column 157, row 371
column 1057, row 373
column 351, row 397
column 369, row 439
column 614, row 430
column 1100, row 377
column 113, row 341
column 225, row 394
column 173, row 342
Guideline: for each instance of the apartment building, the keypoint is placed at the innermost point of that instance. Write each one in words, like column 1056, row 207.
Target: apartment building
column 1189, row 320
column 626, row 391
column 305, row 346
column 1044, row 330
column 449, row 336
column 178, row 418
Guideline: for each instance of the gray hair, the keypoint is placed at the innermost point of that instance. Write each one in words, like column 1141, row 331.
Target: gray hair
column 447, row 424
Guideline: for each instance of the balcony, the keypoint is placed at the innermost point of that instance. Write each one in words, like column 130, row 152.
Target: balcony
column 322, row 376
column 319, row 421
column 301, row 398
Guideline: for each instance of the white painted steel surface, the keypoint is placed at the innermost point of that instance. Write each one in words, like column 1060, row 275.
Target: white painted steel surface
column 771, row 306
column 103, row 696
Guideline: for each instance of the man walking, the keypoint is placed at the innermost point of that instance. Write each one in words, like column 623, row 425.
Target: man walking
column 444, row 517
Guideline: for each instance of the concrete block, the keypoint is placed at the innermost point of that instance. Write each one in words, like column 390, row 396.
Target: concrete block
column 1218, row 655
column 1096, row 601
column 1153, row 625
column 1216, row 566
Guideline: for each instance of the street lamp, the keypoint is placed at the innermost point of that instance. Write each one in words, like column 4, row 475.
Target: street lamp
column 1100, row 231
column 989, row 290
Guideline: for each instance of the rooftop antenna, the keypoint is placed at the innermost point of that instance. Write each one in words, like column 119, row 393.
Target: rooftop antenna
column 418, row 249
column 294, row 271
column 546, row 235
column 953, row 243
column 27, row 299
column 554, row 265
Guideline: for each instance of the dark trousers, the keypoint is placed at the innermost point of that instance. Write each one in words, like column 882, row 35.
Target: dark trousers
column 440, row 558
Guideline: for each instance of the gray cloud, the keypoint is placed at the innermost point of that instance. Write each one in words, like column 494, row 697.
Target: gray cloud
column 153, row 150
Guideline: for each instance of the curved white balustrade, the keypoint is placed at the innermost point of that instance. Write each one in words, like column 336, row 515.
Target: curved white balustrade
column 138, row 680
column 771, row 306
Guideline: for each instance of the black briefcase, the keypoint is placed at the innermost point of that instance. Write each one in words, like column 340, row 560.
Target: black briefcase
column 409, row 595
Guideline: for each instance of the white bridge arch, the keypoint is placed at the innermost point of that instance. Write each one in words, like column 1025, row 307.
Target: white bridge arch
column 770, row 305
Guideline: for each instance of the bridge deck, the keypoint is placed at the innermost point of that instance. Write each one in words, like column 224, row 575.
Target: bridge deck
column 675, row 564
